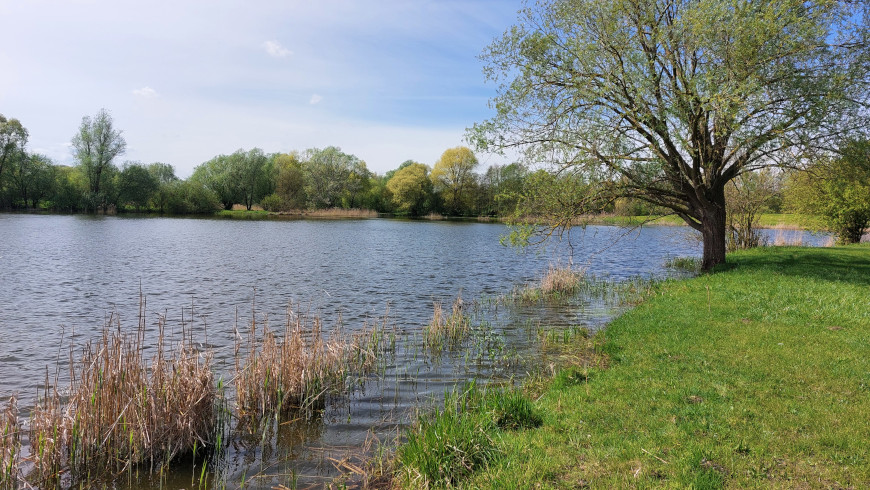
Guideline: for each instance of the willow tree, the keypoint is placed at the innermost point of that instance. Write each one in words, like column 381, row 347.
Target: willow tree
column 668, row 100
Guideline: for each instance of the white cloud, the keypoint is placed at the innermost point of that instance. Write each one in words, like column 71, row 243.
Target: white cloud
column 146, row 92
column 275, row 50
column 315, row 99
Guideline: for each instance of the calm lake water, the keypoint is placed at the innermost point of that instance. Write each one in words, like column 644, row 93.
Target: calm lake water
column 63, row 276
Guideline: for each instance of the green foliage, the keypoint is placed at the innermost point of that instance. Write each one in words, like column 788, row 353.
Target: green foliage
column 334, row 178
column 552, row 203
column 13, row 140
column 838, row 190
column 453, row 177
column 668, row 101
column 95, row 147
column 289, row 183
column 136, row 185
column 411, row 189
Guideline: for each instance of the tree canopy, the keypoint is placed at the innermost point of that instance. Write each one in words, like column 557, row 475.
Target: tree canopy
column 667, row 101
column 95, row 147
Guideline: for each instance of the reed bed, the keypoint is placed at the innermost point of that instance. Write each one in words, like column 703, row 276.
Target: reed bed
column 446, row 330
column 123, row 410
column 293, row 369
column 336, row 213
column 10, row 444
column 788, row 237
column 558, row 283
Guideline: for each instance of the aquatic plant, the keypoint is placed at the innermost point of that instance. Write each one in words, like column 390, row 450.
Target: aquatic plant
column 557, row 284
column 446, row 446
column 690, row 264
column 10, row 444
column 446, row 330
column 295, row 368
column 123, row 410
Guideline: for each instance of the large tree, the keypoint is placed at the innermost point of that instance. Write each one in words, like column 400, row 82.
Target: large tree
column 669, row 100
column 95, row 147
column 411, row 189
column 453, row 176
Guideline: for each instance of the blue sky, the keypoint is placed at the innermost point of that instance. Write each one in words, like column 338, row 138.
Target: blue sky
column 386, row 80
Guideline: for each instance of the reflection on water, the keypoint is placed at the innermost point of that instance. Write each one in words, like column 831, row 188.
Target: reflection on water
column 63, row 275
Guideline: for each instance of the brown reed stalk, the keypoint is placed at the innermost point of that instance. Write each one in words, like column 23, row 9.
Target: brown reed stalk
column 560, row 280
column 446, row 330
column 122, row 410
column 10, row 444
column 293, row 369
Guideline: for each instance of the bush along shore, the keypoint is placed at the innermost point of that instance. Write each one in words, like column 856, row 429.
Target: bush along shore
column 755, row 376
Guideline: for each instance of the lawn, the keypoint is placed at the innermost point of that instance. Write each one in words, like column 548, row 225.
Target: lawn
column 756, row 376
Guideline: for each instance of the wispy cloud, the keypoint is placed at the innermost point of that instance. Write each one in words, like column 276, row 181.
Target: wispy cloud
column 146, row 92
column 315, row 99
column 275, row 50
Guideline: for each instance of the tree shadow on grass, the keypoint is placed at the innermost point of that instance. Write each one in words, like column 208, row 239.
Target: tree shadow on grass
column 850, row 264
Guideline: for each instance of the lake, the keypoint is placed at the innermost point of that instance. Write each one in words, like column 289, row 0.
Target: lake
column 62, row 276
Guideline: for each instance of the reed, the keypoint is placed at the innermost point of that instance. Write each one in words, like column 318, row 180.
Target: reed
column 124, row 410
column 446, row 330
column 10, row 444
column 558, row 283
column 293, row 369
column 794, row 238
column 336, row 213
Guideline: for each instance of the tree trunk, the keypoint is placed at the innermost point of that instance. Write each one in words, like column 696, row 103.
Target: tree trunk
column 713, row 231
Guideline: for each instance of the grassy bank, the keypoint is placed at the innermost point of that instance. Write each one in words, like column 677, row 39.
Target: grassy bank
column 770, row 220
column 757, row 376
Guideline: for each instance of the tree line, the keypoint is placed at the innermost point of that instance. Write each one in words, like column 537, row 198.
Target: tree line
column 317, row 178
column 838, row 188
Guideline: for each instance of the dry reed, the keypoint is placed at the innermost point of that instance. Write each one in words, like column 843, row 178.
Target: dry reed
column 792, row 239
column 295, row 368
column 10, row 444
column 339, row 213
column 561, row 280
column 446, row 329
column 122, row 410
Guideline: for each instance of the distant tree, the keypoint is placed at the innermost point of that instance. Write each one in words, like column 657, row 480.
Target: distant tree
column 327, row 173
column 837, row 189
column 70, row 187
column 289, row 181
column 217, row 175
column 669, row 100
column 34, row 178
column 453, row 175
column 163, row 173
column 357, row 185
column 136, row 185
column 250, row 170
column 190, row 197
column 411, row 189
column 13, row 140
column 95, row 147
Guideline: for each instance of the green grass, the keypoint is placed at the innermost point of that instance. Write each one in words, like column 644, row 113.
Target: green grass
column 244, row 214
column 447, row 446
column 769, row 220
column 757, row 376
